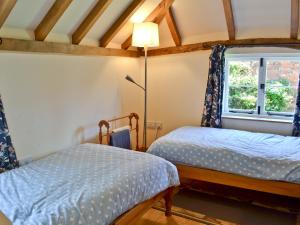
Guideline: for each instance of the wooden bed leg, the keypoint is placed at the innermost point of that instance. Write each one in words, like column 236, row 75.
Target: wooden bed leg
column 298, row 218
column 169, row 201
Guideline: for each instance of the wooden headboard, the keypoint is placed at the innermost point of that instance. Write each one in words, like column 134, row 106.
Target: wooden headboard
column 107, row 124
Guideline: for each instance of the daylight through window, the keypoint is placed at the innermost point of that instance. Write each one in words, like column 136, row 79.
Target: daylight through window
column 261, row 86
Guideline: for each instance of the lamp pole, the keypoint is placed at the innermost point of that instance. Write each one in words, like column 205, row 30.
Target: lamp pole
column 145, row 35
column 145, row 102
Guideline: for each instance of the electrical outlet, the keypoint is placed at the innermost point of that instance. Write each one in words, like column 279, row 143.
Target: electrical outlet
column 159, row 125
column 150, row 125
column 154, row 124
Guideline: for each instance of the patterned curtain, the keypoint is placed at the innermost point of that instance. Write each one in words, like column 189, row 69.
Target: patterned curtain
column 8, row 158
column 214, row 91
column 296, row 124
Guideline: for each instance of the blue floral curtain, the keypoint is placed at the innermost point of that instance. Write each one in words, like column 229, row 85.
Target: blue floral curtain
column 296, row 129
column 8, row 158
column 214, row 91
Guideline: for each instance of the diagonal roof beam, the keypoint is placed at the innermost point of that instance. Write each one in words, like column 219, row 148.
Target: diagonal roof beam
column 120, row 22
column 51, row 18
column 229, row 19
column 5, row 8
column 173, row 27
column 294, row 18
column 90, row 20
column 156, row 16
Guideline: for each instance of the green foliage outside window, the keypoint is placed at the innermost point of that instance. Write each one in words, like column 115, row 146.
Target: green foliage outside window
column 243, row 87
column 243, row 90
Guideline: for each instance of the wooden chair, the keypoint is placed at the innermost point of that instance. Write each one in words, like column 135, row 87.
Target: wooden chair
column 107, row 124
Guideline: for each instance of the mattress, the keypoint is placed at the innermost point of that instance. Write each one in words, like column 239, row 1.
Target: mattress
column 257, row 155
column 88, row 184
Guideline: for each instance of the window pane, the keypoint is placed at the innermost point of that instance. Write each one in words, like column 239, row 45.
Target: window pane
column 243, row 84
column 281, row 85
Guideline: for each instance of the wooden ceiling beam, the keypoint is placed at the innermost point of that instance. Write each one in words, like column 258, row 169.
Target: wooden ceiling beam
column 9, row 44
column 90, row 20
column 156, row 16
column 173, row 27
column 17, row 45
column 120, row 22
column 177, row 49
column 294, row 18
column 276, row 42
column 163, row 9
column 229, row 19
column 51, row 18
column 5, row 8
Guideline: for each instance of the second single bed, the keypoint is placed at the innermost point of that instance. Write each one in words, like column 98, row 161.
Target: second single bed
column 87, row 184
column 263, row 162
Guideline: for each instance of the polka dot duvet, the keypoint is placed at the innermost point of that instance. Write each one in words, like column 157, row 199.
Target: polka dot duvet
column 258, row 155
column 89, row 184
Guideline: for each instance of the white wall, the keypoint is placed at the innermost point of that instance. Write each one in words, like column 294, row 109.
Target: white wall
column 177, row 85
column 259, row 126
column 55, row 101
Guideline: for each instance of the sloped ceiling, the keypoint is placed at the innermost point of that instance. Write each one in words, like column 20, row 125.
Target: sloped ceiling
column 197, row 20
column 262, row 18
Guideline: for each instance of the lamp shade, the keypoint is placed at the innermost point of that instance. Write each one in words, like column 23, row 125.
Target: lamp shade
column 145, row 35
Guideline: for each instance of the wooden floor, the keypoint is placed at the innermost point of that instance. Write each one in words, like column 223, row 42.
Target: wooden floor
column 157, row 217
column 195, row 208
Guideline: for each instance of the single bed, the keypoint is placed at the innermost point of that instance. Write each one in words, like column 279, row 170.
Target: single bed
column 256, row 161
column 86, row 184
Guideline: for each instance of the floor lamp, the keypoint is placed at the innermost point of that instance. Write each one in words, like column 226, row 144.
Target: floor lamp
column 144, row 35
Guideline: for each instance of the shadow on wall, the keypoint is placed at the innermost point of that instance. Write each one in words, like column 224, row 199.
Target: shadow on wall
column 86, row 135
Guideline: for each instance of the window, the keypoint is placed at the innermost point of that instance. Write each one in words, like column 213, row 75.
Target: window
column 261, row 87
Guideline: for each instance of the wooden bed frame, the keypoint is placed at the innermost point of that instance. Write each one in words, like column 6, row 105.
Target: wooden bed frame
column 134, row 214
column 107, row 125
column 268, row 186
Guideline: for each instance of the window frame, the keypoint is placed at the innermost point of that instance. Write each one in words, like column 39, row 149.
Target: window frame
column 262, row 76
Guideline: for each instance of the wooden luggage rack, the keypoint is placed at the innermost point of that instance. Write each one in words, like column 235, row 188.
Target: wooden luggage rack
column 107, row 124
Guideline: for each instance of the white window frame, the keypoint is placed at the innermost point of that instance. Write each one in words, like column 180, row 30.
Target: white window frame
column 261, row 92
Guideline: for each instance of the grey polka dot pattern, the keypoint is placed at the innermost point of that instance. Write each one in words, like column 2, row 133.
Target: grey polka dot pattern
column 264, row 156
column 89, row 184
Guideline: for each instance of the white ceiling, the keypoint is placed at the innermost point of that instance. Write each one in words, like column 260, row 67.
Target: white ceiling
column 262, row 18
column 197, row 20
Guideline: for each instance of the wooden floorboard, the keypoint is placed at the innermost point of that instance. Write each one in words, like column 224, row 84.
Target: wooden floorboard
column 156, row 217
